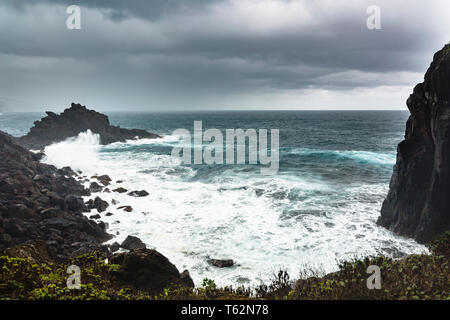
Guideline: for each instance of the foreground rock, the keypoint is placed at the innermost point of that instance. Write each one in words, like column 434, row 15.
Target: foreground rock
column 36, row 252
column 40, row 202
column 418, row 203
column 76, row 119
column 186, row 280
column 147, row 270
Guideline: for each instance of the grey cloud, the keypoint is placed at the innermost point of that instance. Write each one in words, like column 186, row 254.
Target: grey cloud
column 167, row 53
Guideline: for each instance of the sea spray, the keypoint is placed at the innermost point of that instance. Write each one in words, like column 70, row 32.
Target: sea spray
column 80, row 152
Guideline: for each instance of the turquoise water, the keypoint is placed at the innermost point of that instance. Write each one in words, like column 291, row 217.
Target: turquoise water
column 320, row 208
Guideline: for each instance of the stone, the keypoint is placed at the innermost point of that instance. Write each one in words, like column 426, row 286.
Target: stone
column 37, row 252
column 186, row 280
column 141, row 193
column 75, row 203
column 114, row 247
column 132, row 243
column 104, row 179
column 226, row 263
column 146, row 269
column 120, row 190
column 126, row 208
column 95, row 187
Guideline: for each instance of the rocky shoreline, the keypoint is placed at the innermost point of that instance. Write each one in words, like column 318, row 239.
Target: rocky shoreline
column 39, row 201
column 42, row 212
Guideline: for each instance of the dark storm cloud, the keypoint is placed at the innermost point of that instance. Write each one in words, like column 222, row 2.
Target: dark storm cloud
column 202, row 53
column 118, row 10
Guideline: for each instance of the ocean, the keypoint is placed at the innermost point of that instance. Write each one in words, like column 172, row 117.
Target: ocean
column 321, row 208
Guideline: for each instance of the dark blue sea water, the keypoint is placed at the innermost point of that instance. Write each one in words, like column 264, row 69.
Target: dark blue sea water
column 320, row 208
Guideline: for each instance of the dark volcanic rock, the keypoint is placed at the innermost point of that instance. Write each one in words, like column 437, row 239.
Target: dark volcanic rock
column 132, row 243
column 75, row 203
column 141, row 193
column 126, row 208
column 95, row 187
column 222, row 263
column 146, row 269
column 120, row 190
column 186, row 280
column 97, row 203
column 418, row 203
column 114, row 247
column 76, row 119
column 105, row 179
column 35, row 251
column 40, row 202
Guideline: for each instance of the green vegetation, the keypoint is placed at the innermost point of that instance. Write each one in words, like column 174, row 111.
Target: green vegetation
column 415, row 277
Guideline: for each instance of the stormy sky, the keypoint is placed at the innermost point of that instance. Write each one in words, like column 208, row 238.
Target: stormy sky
column 216, row 54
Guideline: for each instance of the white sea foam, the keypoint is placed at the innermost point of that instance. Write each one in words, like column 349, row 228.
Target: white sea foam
column 263, row 223
column 361, row 156
column 80, row 153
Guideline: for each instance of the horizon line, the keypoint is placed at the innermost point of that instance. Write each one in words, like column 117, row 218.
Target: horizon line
column 210, row 110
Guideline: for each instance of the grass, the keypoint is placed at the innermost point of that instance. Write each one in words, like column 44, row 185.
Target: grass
column 416, row 277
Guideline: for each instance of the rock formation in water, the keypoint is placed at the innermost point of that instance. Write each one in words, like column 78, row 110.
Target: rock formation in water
column 418, row 203
column 76, row 119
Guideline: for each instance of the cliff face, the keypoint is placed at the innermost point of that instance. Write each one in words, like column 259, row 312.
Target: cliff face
column 76, row 119
column 418, row 202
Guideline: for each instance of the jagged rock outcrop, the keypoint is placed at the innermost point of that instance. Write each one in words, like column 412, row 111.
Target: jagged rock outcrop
column 418, row 203
column 76, row 119
column 40, row 202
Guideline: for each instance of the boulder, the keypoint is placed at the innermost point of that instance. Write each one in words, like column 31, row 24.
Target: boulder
column 186, row 280
column 126, row 208
column 146, row 269
column 36, row 251
column 95, row 187
column 120, row 190
column 132, row 243
column 75, row 203
column 141, row 193
column 226, row 263
column 114, row 247
column 97, row 203
column 104, row 179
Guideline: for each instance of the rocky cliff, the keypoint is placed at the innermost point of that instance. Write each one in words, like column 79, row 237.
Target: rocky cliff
column 418, row 203
column 76, row 119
